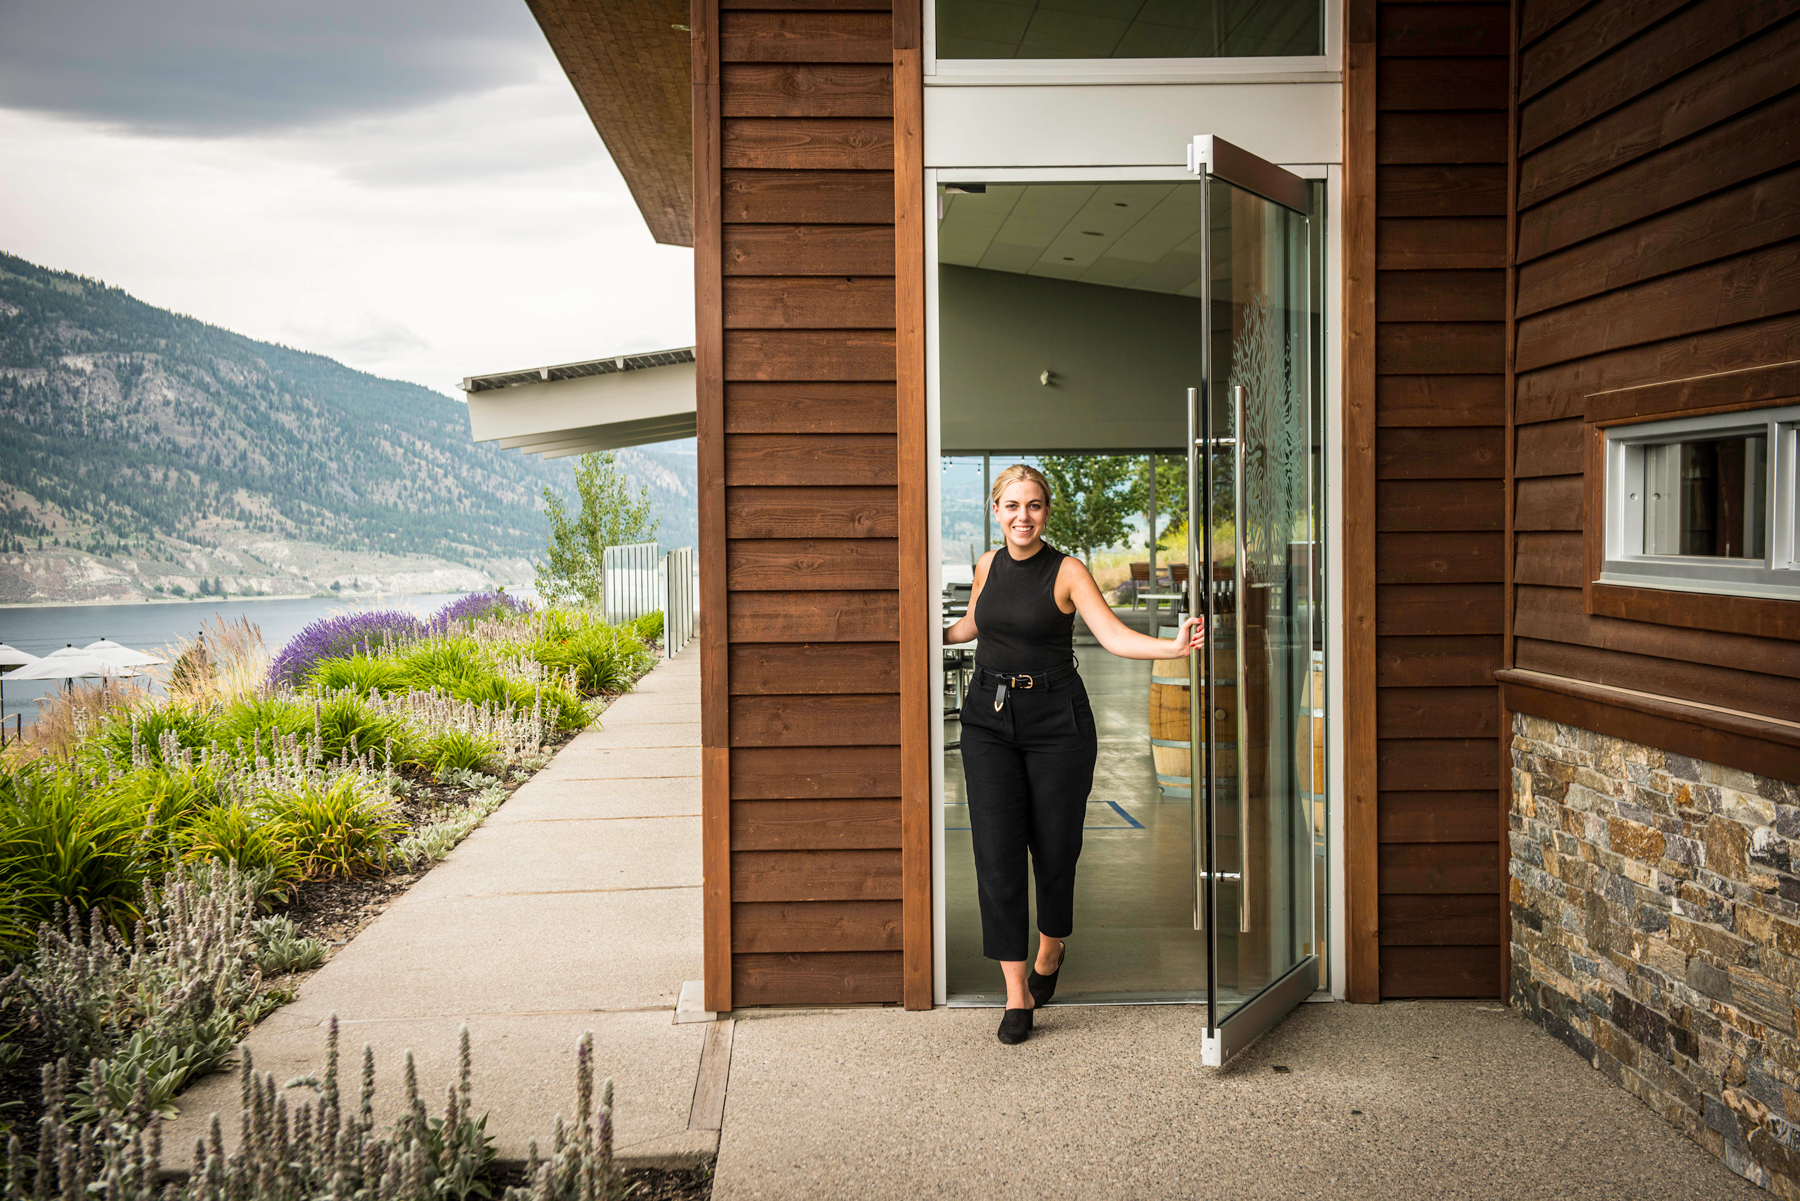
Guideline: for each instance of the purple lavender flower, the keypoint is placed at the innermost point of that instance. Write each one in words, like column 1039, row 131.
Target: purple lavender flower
column 338, row 638
column 474, row 606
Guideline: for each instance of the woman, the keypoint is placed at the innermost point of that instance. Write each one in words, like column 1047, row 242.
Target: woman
column 1028, row 743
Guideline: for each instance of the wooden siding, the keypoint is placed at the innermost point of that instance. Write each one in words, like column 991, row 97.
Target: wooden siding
column 798, row 299
column 1442, row 89
column 1439, row 512
column 1658, row 270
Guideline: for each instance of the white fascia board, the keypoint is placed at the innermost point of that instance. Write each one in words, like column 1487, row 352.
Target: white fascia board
column 1129, row 125
column 583, row 403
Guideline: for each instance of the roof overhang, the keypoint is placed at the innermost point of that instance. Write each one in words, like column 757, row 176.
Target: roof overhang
column 575, row 408
column 629, row 61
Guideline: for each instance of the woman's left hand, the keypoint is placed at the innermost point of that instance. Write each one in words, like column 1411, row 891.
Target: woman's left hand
column 1190, row 637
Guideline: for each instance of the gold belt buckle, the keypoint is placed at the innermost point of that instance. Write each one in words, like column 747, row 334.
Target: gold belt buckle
column 1028, row 684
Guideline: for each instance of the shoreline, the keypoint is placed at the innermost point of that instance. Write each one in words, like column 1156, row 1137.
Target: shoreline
column 284, row 596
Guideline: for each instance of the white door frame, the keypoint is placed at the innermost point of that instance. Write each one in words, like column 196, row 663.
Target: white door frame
column 1333, row 521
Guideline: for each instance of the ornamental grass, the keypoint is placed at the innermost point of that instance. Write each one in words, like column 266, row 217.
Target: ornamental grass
column 142, row 839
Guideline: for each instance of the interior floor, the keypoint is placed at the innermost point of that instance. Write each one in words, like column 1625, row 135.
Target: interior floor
column 1134, row 894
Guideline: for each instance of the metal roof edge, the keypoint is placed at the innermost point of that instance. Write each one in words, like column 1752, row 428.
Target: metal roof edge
column 611, row 365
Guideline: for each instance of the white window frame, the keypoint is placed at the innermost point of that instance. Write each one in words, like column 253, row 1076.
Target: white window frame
column 1314, row 68
column 1626, row 462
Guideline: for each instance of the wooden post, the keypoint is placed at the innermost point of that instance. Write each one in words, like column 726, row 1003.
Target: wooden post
column 1361, row 849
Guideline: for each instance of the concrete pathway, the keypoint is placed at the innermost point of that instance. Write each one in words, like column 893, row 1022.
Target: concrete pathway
column 574, row 907
column 577, row 907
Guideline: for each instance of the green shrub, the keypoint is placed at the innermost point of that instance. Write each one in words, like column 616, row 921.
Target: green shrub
column 496, row 690
column 360, row 674
column 444, row 662
column 62, row 841
column 563, row 710
column 169, row 797
column 347, row 722
column 604, row 659
column 194, row 727
column 258, row 719
column 649, row 627
column 457, row 750
column 335, row 829
column 285, row 949
column 238, row 835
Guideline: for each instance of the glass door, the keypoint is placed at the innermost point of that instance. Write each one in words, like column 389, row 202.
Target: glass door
column 1255, row 521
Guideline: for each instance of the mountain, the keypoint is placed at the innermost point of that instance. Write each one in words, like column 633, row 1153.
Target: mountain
column 145, row 452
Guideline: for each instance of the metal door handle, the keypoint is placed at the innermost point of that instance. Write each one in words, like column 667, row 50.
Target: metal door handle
column 1239, row 395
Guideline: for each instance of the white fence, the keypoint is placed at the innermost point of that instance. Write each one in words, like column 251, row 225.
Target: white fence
column 628, row 579
column 634, row 582
column 679, row 595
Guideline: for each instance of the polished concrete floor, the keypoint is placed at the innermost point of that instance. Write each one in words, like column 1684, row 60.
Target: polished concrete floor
column 1134, row 895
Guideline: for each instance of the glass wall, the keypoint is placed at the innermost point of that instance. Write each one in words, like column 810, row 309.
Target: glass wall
column 1129, row 28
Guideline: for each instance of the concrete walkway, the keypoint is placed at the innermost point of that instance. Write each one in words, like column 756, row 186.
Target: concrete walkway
column 574, row 907
column 577, row 907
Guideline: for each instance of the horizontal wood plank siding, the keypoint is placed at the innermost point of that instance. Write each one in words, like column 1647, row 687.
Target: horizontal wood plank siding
column 1440, row 462
column 1658, row 266
column 810, row 555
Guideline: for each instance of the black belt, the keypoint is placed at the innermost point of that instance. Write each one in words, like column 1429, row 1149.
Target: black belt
column 1020, row 680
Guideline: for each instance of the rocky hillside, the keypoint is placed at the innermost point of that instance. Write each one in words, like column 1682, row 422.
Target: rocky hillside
column 143, row 452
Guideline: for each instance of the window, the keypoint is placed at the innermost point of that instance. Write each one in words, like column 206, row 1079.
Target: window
column 1065, row 29
column 1705, row 504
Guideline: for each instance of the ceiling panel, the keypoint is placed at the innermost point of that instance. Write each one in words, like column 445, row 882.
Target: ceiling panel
column 1122, row 235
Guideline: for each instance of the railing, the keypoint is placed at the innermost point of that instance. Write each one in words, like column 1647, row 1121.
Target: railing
column 628, row 582
column 678, row 599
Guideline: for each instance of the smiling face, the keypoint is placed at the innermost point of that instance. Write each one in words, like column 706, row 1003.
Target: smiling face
column 1021, row 511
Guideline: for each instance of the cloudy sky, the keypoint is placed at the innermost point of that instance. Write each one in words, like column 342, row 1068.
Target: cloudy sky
column 409, row 186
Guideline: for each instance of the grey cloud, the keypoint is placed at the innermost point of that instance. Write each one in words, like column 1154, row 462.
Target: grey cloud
column 219, row 67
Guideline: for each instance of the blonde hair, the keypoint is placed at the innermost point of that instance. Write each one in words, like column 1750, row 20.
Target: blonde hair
column 1012, row 475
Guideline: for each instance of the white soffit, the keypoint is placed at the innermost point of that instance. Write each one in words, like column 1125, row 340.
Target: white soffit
column 576, row 408
column 1123, row 235
column 1117, row 125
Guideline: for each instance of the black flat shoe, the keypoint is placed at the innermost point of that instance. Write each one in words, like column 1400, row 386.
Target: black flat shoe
column 1042, row 988
column 1015, row 1027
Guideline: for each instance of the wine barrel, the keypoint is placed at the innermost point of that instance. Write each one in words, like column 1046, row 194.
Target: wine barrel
column 1171, row 737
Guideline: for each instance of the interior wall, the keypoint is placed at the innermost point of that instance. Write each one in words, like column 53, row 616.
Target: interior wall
column 1114, row 385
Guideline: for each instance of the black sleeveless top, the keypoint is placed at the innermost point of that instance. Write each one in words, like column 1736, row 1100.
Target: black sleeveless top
column 1017, row 622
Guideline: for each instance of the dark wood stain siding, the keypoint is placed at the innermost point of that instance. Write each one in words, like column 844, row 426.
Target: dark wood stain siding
column 1658, row 214
column 810, row 552
column 1440, row 503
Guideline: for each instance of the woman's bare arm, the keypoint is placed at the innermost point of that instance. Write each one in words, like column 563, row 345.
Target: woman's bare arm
column 963, row 628
column 1075, row 586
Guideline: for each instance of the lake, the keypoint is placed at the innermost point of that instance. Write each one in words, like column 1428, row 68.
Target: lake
column 152, row 626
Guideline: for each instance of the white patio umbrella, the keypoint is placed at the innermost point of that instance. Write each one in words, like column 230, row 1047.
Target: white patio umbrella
column 11, row 656
column 121, row 656
column 69, row 664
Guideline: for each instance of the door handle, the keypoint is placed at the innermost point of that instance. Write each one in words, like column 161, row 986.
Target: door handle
column 1239, row 397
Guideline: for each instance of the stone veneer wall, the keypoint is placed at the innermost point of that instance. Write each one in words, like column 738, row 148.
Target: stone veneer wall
column 1656, row 930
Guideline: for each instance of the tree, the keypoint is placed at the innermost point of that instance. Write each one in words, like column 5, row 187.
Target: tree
column 1171, row 492
column 608, row 515
column 1094, row 497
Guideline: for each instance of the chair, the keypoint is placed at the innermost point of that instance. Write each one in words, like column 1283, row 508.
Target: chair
column 1140, row 583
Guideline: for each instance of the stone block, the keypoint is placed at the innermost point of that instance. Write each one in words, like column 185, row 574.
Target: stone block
column 1640, row 841
column 1763, row 999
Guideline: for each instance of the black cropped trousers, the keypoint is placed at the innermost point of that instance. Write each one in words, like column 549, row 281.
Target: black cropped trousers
column 1028, row 768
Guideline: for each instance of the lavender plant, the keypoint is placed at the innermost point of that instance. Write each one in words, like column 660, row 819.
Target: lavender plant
column 474, row 606
column 336, row 638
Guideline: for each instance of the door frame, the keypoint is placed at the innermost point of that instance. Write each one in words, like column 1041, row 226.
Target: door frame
column 1331, row 354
